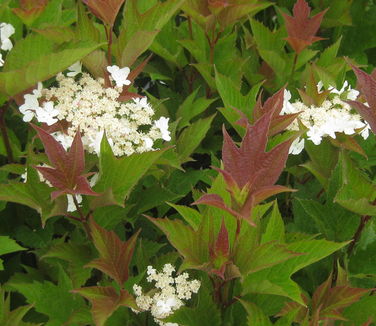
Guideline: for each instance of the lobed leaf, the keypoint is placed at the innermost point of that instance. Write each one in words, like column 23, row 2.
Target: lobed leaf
column 114, row 254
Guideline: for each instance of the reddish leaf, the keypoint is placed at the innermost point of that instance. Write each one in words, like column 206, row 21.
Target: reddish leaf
column 219, row 252
column 300, row 28
column 105, row 300
column 367, row 86
column 30, row 10
column 328, row 302
column 222, row 244
column 105, row 10
column 268, row 191
column 340, row 297
column 249, row 172
column 114, row 254
column 67, row 167
column 216, row 201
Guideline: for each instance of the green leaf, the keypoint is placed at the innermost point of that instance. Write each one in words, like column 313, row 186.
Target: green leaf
column 122, row 174
column 191, row 107
column 192, row 245
column 77, row 256
column 192, row 136
column 14, row 317
column 255, row 315
column 8, row 245
column 357, row 192
column 85, row 28
column 57, row 34
column 55, row 301
column 275, row 229
column 277, row 279
column 205, row 313
column 233, row 98
column 34, row 194
column 138, row 44
column 191, row 216
column 361, row 311
column 323, row 160
column 43, row 67
column 329, row 55
column 140, row 23
column 166, row 44
column 145, row 251
column 266, row 39
column 27, row 50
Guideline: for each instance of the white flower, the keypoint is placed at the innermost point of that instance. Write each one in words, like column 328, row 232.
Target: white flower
column 31, row 105
column 47, row 113
column 119, row 75
column 162, row 125
column 1, row 60
column 166, row 306
column 6, row 31
column 167, row 295
column 287, row 108
column 333, row 116
column 86, row 104
column 75, row 69
column 94, row 179
column 29, row 108
column 365, row 132
column 63, row 139
column 148, row 143
column 296, row 146
column 71, row 205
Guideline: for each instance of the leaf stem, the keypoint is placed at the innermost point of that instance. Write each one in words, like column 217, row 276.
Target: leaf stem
column 294, row 65
column 4, row 133
column 108, row 30
column 363, row 221
column 83, row 218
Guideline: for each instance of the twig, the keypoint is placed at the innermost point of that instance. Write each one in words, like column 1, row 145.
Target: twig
column 363, row 221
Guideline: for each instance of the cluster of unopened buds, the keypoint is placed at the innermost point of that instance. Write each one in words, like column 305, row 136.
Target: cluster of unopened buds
column 333, row 116
column 86, row 104
column 6, row 31
column 168, row 294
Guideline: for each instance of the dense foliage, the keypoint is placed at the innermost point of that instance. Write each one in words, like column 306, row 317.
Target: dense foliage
column 187, row 162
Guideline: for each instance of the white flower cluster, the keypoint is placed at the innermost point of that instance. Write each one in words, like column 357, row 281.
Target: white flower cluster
column 87, row 104
column 6, row 31
column 334, row 115
column 168, row 295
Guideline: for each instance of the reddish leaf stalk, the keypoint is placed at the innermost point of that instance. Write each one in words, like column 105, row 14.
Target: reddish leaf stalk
column 4, row 133
column 108, row 30
column 363, row 221
column 73, row 217
column 83, row 218
column 294, row 65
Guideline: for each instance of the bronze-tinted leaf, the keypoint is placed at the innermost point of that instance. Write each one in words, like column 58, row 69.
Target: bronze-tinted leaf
column 114, row 254
column 300, row 28
column 67, row 169
column 105, row 10
column 105, row 300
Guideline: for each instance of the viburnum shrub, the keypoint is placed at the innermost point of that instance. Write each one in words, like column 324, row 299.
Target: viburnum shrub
column 187, row 163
